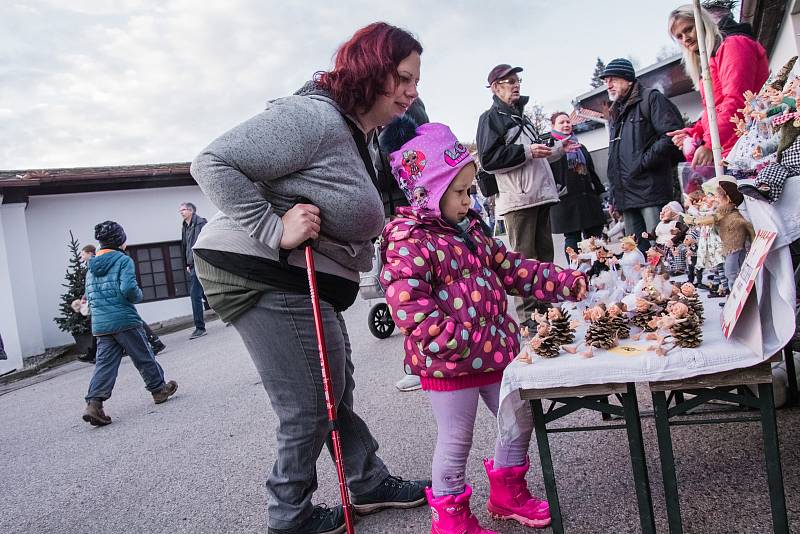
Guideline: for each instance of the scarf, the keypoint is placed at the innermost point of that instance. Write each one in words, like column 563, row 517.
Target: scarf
column 575, row 160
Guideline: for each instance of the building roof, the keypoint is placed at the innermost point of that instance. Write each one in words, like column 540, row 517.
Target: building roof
column 766, row 17
column 667, row 76
column 17, row 185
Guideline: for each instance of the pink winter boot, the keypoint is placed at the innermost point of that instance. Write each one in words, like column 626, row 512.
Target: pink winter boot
column 509, row 497
column 451, row 514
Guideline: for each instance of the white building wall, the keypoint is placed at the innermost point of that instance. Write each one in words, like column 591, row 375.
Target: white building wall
column 788, row 42
column 148, row 216
column 594, row 139
column 19, row 322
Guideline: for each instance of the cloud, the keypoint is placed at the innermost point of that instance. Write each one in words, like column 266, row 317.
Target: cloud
column 102, row 82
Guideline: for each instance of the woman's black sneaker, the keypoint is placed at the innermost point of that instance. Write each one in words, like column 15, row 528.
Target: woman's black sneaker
column 393, row 492
column 323, row 520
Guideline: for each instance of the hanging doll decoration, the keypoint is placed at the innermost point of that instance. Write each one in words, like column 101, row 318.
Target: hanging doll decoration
column 745, row 158
column 772, row 178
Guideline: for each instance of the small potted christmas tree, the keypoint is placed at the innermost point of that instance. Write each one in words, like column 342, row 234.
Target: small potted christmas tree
column 75, row 283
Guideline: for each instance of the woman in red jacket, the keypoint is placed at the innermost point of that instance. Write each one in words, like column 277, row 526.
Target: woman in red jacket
column 737, row 63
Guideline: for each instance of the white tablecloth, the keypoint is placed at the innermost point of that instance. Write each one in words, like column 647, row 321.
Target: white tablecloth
column 775, row 291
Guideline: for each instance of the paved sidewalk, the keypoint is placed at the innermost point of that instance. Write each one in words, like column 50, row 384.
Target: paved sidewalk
column 197, row 463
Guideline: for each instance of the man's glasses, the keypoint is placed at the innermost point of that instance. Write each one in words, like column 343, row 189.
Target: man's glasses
column 509, row 81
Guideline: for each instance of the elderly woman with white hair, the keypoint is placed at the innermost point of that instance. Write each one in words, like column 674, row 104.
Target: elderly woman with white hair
column 736, row 62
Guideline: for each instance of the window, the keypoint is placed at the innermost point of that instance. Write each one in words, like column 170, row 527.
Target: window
column 160, row 270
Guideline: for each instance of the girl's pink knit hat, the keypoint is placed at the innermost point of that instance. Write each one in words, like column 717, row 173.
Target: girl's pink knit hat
column 425, row 165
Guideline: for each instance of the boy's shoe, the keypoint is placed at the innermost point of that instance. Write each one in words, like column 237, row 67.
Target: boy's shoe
column 393, row 492
column 198, row 332
column 94, row 414
column 166, row 391
column 86, row 358
column 408, row 383
column 509, row 497
column 156, row 344
column 323, row 520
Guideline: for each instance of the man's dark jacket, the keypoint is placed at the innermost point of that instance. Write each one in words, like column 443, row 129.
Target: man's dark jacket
column 641, row 158
column 189, row 233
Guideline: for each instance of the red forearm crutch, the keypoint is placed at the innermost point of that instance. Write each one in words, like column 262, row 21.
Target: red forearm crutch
column 327, row 386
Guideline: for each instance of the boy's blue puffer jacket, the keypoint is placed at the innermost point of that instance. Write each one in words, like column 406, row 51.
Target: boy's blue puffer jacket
column 111, row 291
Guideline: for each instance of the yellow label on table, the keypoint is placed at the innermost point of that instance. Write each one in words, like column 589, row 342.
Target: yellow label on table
column 627, row 350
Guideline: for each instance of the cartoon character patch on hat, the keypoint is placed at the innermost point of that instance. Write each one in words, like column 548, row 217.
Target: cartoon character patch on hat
column 419, row 197
column 414, row 163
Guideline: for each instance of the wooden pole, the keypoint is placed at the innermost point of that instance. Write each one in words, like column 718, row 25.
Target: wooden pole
column 711, row 110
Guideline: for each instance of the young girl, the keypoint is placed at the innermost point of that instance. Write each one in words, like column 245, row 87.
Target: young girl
column 446, row 284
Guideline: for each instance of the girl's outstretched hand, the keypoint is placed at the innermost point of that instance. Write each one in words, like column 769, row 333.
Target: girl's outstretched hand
column 579, row 289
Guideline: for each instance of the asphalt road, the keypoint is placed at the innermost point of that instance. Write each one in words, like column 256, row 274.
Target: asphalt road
column 197, row 463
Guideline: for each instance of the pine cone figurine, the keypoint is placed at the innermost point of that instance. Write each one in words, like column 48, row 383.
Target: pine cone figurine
column 544, row 343
column 562, row 331
column 599, row 333
column 690, row 297
column 687, row 332
column 620, row 327
column 645, row 312
column 545, row 347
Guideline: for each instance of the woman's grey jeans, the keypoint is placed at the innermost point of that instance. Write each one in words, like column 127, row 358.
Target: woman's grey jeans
column 280, row 337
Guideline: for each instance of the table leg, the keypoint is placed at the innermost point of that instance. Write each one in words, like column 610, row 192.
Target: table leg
column 667, row 456
column 542, row 441
column 769, row 427
column 633, row 426
column 788, row 356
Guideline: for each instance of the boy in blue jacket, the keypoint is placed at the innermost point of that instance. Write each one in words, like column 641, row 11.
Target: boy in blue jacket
column 112, row 291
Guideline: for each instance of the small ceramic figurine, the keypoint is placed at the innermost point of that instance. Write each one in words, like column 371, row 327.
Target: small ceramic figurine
column 632, row 261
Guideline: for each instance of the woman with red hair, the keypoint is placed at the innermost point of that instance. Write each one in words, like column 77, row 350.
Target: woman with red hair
column 301, row 170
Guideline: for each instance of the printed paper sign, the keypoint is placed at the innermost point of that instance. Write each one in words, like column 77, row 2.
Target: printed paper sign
column 752, row 265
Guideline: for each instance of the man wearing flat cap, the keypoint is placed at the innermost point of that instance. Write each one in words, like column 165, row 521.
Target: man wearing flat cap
column 510, row 149
column 641, row 157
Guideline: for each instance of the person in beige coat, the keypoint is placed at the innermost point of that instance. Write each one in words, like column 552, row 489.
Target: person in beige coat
column 510, row 148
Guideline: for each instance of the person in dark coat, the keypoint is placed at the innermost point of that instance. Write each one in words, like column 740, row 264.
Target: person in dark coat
column 641, row 157
column 190, row 229
column 579, row 213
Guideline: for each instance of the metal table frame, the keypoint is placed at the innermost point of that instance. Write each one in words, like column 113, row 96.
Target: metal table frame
column 594, row 398
column 725, row 387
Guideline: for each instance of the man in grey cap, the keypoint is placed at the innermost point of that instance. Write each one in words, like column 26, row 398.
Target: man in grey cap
column 641, row 157
column 510, row 148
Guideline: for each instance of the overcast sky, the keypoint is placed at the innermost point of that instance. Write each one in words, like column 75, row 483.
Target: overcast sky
column 104, row 82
